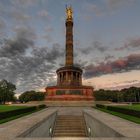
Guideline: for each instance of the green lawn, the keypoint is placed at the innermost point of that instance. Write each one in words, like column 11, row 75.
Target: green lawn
column 133, row 106
column 15, row 117
column 127, row 117
column 4, row 108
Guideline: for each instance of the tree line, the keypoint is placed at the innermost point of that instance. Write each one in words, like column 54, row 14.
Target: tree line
column 131, row 94
column 7, row 93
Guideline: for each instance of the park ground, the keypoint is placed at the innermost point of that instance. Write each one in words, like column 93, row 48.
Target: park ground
column 130, row 107
column 7, row 108
column 9, row 112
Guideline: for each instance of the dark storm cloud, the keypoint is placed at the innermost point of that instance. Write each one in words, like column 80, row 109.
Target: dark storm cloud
column 2, row 24
column 81, row 62
column 50, row 54
column 131, row 43
column 96, row 45
column 108, row 57
column 25, row 65
column 131, row 62
column 18, row 45
column 117, row 4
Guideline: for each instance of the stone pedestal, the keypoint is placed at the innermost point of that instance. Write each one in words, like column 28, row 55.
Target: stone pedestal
column 71, row 93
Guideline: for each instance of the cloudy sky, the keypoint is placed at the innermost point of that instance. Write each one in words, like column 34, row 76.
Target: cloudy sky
column 106, row 42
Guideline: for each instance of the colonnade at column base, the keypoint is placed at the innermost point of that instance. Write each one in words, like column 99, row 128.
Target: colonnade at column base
column 69, row 76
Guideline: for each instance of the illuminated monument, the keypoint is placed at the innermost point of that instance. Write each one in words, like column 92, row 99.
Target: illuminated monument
column 69, row 78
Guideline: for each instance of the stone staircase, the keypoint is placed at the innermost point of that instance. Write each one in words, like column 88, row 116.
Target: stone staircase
column 69, row 126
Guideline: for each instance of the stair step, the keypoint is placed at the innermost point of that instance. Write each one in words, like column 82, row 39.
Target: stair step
column 72, row 131
column 69, row 135
column 69, row 120
column 69, row 126
column 79, row 125
column 72, row 124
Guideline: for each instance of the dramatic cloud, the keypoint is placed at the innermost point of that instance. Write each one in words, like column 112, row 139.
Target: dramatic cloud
column 96, row 45
column 27, row 66
column 26, row 3
column 18, row 45
column 131, row 62
column 108, row 57
column 116, row 4
column 31, row 32
column 49, row 55
column 131, row 43
column 2, row 24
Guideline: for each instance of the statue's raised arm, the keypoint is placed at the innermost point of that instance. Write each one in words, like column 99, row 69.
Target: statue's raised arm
column 69, row 13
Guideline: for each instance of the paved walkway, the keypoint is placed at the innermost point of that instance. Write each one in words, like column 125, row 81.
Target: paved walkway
column 10, row 130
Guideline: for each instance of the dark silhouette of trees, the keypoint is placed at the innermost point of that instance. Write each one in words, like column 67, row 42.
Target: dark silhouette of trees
column 31, row 96
column 6, row 91
column 131, row 94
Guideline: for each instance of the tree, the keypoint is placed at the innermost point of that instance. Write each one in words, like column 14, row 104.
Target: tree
column 31, row 96
column 131, row 94
column 6, row 91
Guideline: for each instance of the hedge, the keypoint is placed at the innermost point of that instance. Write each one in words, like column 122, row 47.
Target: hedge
column 100, row 106
column 126, row 111
column 41, row 106
column 7, row 114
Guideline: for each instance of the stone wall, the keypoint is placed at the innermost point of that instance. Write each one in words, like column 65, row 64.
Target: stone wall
column 96, row 128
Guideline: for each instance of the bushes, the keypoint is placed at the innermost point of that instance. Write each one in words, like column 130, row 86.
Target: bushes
column 41, row 106
column 32, row 96
column 6, row 91
column 100, row 106
column 8, row 114
column 126, row 111
column 131, row 94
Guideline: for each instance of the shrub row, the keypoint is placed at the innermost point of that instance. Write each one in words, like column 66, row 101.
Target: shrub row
column 7, row 114
column 100, row 105
column 126, row 111
column 41, row 106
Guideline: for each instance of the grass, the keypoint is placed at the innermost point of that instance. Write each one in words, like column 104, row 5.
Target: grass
column 17, row 116
column 4, row 108
column 121, row 115
column 133, row 107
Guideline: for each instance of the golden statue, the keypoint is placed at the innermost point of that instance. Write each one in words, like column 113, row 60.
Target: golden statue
column 69, row 13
